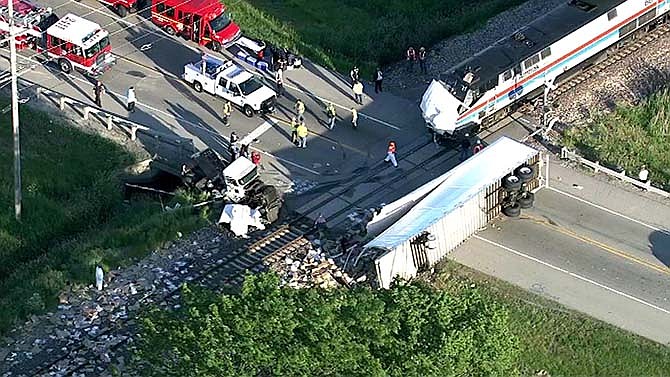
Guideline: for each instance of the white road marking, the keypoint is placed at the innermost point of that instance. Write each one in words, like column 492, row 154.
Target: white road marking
column 572, row 274
column 609, row 211
column 258, row 131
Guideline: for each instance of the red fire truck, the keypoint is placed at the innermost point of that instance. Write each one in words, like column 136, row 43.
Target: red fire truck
column 202, row 21
column 76, row 43
column 29, row 20
column 123, row 7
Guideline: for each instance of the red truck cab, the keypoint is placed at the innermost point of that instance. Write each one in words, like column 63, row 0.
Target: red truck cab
column 123, row 7
column 202, row 21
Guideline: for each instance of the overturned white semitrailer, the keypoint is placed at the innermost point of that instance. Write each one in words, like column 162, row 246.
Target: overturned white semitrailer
column 465, row 201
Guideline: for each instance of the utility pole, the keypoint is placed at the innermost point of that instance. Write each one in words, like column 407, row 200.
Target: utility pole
column 15, row 113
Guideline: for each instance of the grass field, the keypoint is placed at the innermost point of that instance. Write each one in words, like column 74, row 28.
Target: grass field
column 73, row 214
column 339, row 34
column 630, row 137
column 560, row 341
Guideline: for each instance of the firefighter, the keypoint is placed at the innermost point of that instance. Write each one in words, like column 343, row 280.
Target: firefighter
column 390, row 154
column 354, row 118
column 227, row 110
column 411, row 58
column 99, row 90
column 422, row 60
column 332, row 114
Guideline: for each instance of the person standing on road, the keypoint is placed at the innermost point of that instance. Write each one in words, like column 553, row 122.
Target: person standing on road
column 355, row 75
column 332, row 114
column 354, row 118
column 227, row 110
column 256, row 158
column 300, row 110
column 234, row 151
column 422, row 60
column 99, row 89
column 130, row 99
column 378, row 80
column 302, row 135
column 234, row 138
column 244, row 151
column 390, row 154
column 411, row 58
column 358, row 92
column 279, row 79
column 294, row 130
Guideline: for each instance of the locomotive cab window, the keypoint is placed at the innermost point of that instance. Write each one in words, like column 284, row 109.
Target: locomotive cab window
column 545, row 53
column 507, row 75
column 611, row 14
column 530, row 62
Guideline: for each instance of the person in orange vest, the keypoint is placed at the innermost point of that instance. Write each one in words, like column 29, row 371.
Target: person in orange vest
column 390, row 154
column 256, row 158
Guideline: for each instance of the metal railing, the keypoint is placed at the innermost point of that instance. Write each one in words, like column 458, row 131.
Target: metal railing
column 566, row 154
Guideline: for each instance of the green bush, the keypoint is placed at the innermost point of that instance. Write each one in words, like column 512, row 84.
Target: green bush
column 265, row 330
column 340, row 34
column 73, row 214
column 630, row 137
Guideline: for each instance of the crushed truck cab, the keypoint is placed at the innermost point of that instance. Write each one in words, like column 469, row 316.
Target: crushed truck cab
column 225, row 79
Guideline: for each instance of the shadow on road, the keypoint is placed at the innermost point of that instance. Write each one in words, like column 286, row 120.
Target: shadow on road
column 659, row 243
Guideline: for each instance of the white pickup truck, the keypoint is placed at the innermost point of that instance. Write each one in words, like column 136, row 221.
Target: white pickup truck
column 227, row 80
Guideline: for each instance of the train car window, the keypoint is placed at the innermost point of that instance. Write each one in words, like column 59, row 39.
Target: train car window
column 530, row 62
column 611, row 14
column 507, row 75
column 627, row 28
column 545, row 53
column 647, row 17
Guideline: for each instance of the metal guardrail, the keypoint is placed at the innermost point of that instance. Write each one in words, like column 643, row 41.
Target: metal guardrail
column 566, row 154
column 86, row 110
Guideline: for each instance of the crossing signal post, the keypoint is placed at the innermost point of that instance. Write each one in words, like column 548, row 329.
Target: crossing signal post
column 15, row 112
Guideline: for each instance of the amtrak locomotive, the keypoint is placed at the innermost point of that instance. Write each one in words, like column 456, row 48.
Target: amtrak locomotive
column 489, row 84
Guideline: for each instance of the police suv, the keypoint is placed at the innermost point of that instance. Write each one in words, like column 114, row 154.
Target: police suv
column 225, row 79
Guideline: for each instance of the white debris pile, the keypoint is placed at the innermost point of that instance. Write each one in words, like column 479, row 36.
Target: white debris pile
column 240, row 218
column 307, row 266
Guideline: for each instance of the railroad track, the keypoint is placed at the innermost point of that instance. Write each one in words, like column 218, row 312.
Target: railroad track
column 614, row 56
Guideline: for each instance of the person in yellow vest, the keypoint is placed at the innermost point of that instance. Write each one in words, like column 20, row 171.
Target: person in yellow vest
column 302, row 135
column 227, row 110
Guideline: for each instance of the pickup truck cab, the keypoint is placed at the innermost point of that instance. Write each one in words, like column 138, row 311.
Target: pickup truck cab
column 225, row 79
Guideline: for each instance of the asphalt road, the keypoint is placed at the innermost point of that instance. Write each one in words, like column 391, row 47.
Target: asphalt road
column 573, row 248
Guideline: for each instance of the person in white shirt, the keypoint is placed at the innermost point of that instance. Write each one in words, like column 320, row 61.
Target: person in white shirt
column 130, row 99
column 644, row 174
column 358, row 92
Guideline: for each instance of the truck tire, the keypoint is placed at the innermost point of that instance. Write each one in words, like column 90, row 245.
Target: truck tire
column 215, row 46
column 121, row 10
column 269, row 194
column 197, row 86
column 512, row 210
column 526, row 199
column 65, row 65
column 525, row 173
column 248, row 111
column 511, row 183
column 170, row 30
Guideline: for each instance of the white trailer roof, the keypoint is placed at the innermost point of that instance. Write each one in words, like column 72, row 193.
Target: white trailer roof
column 77, row 30
column 465, row 181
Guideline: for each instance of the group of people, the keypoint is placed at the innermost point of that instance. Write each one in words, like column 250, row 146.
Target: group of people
column 99, row 89
column 413, row 56
column 237, row 150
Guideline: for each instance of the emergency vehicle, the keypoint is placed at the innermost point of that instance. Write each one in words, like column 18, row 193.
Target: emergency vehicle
column 123, row 7
column 263, row 56
column 74, row 42
column 202, row 21
column 225, row 79
column 29, row 22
